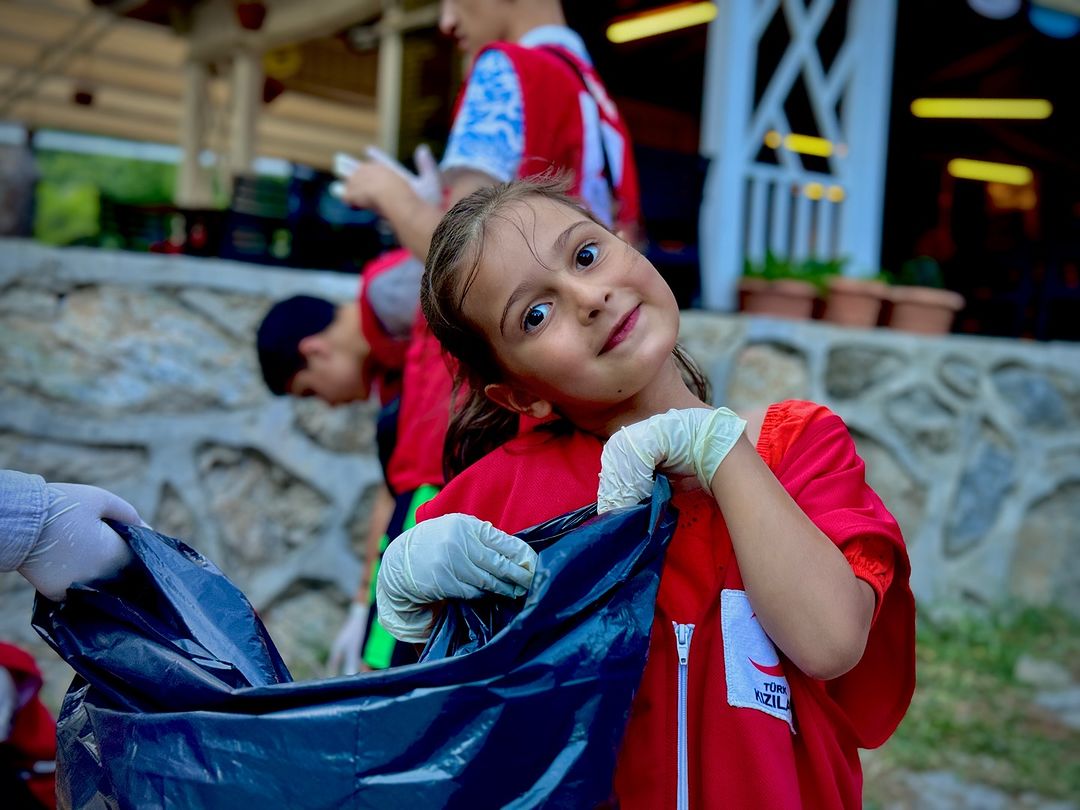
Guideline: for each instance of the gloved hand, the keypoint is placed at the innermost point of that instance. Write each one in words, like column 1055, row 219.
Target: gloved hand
column 680, row 442
column 448, row 557
column 75, row 545
column 345, row 651
column 427, row 183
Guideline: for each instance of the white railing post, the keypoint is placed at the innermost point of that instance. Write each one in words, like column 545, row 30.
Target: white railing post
column 872, row 27
column 729, row 87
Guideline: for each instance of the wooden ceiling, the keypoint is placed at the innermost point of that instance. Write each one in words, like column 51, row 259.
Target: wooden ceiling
column 55, row 54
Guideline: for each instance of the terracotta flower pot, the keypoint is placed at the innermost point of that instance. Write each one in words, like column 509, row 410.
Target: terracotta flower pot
column 854, row 301
column 928, row 310
column 781, row 298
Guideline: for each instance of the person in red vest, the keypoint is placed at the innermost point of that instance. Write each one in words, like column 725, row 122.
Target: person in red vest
column 783, row 638
column 531, row 104
column 340, row 353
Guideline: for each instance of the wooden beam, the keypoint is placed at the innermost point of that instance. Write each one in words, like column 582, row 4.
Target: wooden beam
column 131, row 75
column 60, row 90
column 128, row 38
column 215, row 33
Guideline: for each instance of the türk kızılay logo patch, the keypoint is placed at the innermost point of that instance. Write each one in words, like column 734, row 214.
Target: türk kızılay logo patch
column 755, row 676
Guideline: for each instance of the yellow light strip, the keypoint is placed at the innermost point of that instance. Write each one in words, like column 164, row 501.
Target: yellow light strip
column 808, row 145
column 803, row 144
column 661, row 21
column 989, row 172
column 1014, row 108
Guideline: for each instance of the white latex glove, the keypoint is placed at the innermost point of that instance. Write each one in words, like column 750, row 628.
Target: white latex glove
column 345, row 652
column 75, row 545
column 427, row 183
column 680, row 442
column 9, row 702
column 448, row 557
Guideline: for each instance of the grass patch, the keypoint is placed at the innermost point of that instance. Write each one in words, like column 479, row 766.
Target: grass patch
column 971, row 716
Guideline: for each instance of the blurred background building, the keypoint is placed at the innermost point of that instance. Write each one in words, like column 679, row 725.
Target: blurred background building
column 835, row 136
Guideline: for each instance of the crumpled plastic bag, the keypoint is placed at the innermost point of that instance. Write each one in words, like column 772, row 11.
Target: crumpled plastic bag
column 182, row 700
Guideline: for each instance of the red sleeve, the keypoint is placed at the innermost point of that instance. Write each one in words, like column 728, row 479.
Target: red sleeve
column 817, row 464
column 387, row 351
column 426, row 387
column 33, row 730
column 532, row 478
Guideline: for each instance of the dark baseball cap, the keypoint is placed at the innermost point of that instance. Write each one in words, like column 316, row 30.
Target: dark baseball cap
column 278, row 339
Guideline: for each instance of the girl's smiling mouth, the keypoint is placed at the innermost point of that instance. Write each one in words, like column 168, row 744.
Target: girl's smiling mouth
column 622, row 329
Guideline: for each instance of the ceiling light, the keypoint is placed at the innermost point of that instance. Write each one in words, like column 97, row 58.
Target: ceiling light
column 661, row 21
column 1019, row 108
column 989, row 172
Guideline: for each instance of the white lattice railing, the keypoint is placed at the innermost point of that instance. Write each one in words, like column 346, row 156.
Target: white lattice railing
column 761, row 195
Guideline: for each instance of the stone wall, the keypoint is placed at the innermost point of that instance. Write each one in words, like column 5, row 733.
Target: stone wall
column 137, row 373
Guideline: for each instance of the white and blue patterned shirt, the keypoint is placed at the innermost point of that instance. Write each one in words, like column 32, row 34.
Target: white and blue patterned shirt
column 488, row 134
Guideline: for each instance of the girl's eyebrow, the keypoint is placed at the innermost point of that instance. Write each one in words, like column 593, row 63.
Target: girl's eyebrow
column 564, row 237
column 519, row 291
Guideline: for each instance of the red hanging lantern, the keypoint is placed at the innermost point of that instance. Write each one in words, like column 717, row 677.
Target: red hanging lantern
column 250, row 15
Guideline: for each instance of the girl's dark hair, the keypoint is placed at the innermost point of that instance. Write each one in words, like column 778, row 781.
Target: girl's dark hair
column 477, row 425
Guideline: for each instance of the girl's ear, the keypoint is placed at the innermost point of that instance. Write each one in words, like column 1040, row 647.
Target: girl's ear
column 517, row 400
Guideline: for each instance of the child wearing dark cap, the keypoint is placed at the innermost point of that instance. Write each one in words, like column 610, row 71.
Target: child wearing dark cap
column 310, row 347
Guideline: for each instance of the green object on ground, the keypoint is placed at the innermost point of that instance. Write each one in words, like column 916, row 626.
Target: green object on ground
column 379, row 645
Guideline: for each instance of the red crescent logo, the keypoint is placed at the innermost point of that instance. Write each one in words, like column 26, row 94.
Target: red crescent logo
column 775, row 670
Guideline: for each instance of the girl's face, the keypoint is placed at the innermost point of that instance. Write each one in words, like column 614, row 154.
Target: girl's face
column 577, row 319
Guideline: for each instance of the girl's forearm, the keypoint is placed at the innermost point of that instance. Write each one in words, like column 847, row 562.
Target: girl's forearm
column 801, row 586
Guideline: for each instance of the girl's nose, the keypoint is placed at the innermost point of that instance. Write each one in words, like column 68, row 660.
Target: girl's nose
column 592, row 298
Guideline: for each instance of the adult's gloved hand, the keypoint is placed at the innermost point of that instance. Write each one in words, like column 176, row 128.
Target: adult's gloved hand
column 426, row 183
column 75, row 544
column 345, row 651
column 680, row 442
column 449, row 557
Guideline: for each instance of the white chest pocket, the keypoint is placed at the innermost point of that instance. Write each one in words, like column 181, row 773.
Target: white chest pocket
column 755, row 678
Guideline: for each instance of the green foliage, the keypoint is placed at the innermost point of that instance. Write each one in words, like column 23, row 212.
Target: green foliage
column 970, row 715
column 71, row 186
column 815, row 271
column 67, row 213
column 922, row 271
column 136, row 182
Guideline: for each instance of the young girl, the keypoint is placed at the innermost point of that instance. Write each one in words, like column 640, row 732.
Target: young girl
column 783, row 637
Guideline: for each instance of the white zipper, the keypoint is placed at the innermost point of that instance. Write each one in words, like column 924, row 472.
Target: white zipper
column 683, row 632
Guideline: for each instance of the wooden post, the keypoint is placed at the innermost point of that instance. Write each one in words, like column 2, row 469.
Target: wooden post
column 388, row 89
column 246, row 101
column 192, row 188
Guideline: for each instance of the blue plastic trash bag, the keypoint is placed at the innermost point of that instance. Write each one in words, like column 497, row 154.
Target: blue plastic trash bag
column 182, row 700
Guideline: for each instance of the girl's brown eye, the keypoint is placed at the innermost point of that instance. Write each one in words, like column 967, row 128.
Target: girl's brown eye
column 535, row 316
column 587, row 255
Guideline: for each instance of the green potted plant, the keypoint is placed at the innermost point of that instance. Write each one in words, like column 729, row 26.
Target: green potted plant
column 783, row 287
column 918, row 300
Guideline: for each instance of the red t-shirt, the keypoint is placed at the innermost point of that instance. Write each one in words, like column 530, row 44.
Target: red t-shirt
column 387, row 357
column 760, row 732
column 33, row 730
